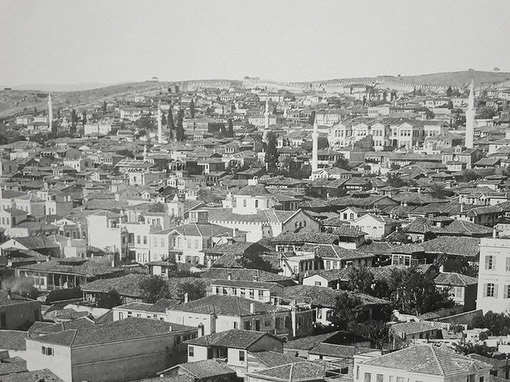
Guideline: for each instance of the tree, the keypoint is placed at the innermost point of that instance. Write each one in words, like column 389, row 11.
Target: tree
column 153, row 289
column 377, row 332
column 437, row 190
column 497, row 323
column 105, row 106
column 348, row 311
column 486, row 113
column 194, row 289
column 449, row 91
column 470, row 348
column 157, row 207
column 170, row 120
column 394, row 180
column 414, row 293
column 109, row 300
column 179, row 132
column 342, row 163
column 255, row 261
column 126, row 153
column 84, row 117
column 360, row 279
column 192, row 108
column 230, row 130
column 429, row 114
column 271, row 152
column 469, row 175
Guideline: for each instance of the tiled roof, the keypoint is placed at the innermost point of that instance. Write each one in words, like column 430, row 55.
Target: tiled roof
column 338, row 351
column 127, row 285
column 13, row 340
column 32, row 376
column 326, row 297
column 244, row 274
column 74, row 266
column 331, row 274
column 293, row 372
column 272, row 358
column 455, row 279
column 262, row 216
column 128, row 329
column 226, row 306
column 308, row 342
column 427, row 359
column 304, row 237
column 11, row 366
column 253, row 190
column 208, row 368
column 453, row 245
column 412, row 327
column 234, row 338
column 331, row 251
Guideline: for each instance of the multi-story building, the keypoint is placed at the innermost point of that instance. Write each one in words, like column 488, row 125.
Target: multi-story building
column 494, row 274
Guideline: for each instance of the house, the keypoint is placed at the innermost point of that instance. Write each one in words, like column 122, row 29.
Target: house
column 41, row 244
column 331, row 278
column 17, row 313
column 462, row 288
column 252, row 290
column 375, row 226
column 220, row 313
column 494, row 274
column 114, row 351
column 419, row 363
column 410, row 331
column 342, row 356
column 66, row 273
column 323, row 301
column 208, row 370
column 128, row 287
column 235, row 346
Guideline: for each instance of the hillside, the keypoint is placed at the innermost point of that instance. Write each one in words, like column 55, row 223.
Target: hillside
column 458, row 79
column 19, row 101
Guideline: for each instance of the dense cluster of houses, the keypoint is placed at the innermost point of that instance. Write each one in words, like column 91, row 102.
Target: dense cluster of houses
column 361, row 180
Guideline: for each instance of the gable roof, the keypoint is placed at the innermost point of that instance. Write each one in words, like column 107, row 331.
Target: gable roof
column 234, row 338
column 455, row 279
column 427, row 359
column 292, row 372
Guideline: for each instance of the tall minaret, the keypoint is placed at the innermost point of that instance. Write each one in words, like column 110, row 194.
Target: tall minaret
column 266, row 120
column 315, row 146
column 50, row 112
column 160, row 129
column 470, row 118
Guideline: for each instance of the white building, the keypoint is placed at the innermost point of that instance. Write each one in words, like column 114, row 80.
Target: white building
column 494, row 275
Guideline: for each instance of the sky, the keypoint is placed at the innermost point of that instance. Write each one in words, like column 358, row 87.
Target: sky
column 111, row 41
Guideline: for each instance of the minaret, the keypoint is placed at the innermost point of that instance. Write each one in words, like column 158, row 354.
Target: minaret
column 145, row 152
column 266, row 120
column 160, row 129
column 315, row 146
column 50, row 112
column 470, row 118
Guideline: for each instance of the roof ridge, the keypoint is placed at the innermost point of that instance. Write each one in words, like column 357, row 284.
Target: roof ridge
column 437, row 359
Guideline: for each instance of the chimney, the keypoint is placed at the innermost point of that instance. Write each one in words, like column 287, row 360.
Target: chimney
column 234, row 232
column 201, row 330
column 186, row 297
column 252, row 308
column 169, row 328
column 229, row 276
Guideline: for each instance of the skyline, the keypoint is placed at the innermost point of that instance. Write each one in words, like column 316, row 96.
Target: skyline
column 78, row 42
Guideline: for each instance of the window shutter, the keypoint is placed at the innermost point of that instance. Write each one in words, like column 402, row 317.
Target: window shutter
column 505, row 291
column 493, row 262
column 484, row 290
column 508, row 264
column 487, row 262
column 495, row 290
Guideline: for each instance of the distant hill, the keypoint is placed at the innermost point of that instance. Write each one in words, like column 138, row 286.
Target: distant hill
column 61, row 88
column 458, row 79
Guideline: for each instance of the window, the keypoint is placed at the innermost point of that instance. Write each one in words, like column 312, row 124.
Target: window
column 256, row 203
column 3, row 320
column 318, row 283
column 162, row 242
column 368, row 377
column 401, row 379
column 506, row 291
column 244, row 202
column 47, row 351
column 241, row 355
column 252, row 293
column 379, row 378
column 235, row 325
column 489, row 262
column 196, row 243
column 145, row 239
column 137, row 239
column 507, row 268
column 121, row 316
column 191, row 351
column 490, row 290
